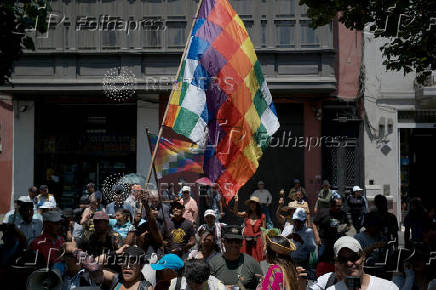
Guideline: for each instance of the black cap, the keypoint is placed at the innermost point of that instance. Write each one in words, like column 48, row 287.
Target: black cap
column 232, row 232
column 43, row 187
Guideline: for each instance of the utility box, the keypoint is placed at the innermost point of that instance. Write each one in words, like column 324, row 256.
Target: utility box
column 373, row 190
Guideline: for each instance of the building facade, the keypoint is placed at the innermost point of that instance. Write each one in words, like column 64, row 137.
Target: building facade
column 67, row 131
column 399, row 135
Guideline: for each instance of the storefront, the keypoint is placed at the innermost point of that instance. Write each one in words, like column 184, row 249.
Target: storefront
column 79, row 143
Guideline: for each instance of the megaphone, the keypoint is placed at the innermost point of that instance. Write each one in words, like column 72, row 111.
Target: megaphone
column 43, row 279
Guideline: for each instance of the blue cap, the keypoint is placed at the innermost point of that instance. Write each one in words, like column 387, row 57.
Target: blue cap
column 169, row 261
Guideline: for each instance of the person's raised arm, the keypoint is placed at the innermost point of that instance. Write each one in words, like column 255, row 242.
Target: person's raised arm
column 280, row 218
column 152, row 223
column 86, row 215
column 235, row 208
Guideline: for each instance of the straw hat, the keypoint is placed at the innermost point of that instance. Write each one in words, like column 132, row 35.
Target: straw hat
column 279, row 249
column 252, row 198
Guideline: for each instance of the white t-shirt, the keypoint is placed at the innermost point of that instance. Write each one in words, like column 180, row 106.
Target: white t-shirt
column 375, row 283
column 264, row 196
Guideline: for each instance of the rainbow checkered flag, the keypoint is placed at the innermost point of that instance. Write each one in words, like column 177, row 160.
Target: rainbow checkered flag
column 175, row 156
column 221, row 99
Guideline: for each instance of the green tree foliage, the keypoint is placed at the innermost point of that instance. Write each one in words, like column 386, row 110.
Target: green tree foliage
column 17, row 16
column 409, row 26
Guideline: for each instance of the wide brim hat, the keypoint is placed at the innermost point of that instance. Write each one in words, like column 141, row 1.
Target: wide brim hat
column 279, row 249
column 252, row 199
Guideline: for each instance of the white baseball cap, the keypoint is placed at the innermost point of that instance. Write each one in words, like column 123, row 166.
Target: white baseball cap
column 210, row 212
column 347, row 242
column 356, row 188
column 299, row 214
column 186, row 188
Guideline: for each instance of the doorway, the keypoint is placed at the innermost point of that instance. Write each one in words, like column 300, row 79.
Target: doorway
column 81, row 143
column 417, row 160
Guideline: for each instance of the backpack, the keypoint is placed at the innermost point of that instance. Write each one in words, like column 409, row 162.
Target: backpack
column 331, row 281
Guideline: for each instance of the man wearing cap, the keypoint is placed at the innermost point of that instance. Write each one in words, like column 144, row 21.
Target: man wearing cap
column 233, row 267
column 211, row 226
column 302, row 237
column 90, row 189
column 191, row 208
column 168, row 268
column 349, row 274
column 26, row 225
column 14, row 214
column 33, row 193
column 265, row 199
column 102, row 240
column 179, row 236
column 50, row 243
column 324, row 196
column 329, row 224
column 297, row 187
column 44, row 196
column 356, row 207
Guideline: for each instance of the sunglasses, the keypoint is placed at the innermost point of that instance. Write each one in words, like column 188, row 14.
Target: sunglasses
column 353, row 258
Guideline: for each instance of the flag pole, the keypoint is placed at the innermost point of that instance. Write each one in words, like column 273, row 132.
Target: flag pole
column 175, row 87
column 157, row 180
column 147, row 132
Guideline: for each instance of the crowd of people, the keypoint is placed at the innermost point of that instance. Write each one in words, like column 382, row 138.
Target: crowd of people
column 145, row 239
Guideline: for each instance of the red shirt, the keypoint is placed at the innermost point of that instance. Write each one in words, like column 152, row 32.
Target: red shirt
column 324, row 268
column 49, row 247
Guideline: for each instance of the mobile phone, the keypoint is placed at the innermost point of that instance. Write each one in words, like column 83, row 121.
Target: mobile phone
column 352, row 282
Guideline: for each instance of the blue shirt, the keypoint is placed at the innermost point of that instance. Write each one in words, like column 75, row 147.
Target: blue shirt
column 122, row 230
